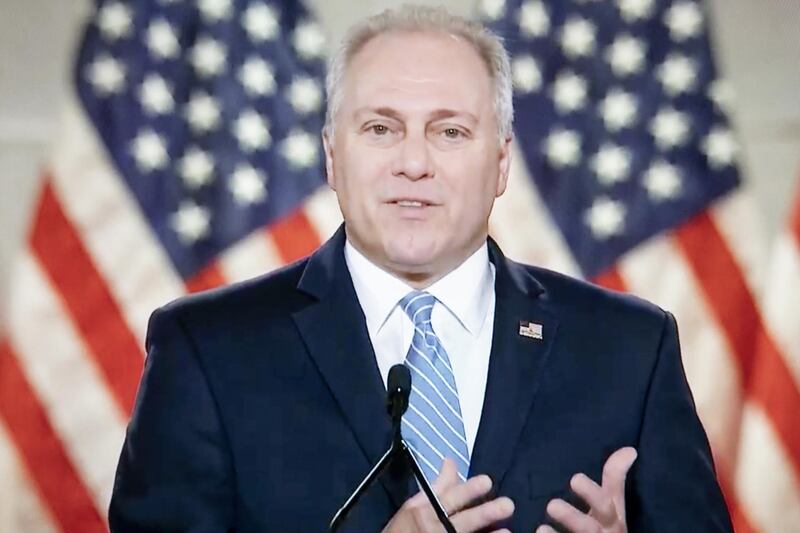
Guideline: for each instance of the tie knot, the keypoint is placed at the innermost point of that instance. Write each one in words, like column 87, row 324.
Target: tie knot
column 418, row 305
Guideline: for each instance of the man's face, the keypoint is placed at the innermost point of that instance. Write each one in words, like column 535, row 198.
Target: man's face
column 415, row 157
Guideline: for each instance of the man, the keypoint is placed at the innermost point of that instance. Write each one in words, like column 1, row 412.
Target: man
column 261, row 406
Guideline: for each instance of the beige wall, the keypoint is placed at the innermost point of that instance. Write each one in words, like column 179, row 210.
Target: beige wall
column 758, row 46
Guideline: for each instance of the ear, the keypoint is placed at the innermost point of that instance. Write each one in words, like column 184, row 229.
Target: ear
column 504, row 163
column 327, row 144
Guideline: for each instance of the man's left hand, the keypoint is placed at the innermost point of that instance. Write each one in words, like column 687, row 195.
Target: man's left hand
column 606, row 502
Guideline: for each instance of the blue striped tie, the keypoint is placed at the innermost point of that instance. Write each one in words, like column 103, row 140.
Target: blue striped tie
column 432, row 426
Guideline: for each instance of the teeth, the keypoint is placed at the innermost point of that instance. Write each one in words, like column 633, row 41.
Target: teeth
column 409, row 203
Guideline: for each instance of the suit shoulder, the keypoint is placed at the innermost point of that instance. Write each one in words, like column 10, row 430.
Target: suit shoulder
column 273, row 294
column 572, row 294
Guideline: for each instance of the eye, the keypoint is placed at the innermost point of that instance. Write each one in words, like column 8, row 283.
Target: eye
column 378, row 129
column 452, row 133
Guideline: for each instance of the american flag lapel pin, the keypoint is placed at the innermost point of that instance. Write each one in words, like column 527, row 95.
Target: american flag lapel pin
column 530, row 329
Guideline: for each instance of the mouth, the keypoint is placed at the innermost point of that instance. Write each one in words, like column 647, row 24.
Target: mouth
column 412, row 202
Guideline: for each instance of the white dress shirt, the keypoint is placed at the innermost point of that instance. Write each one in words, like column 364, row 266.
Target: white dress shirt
column 463, row 319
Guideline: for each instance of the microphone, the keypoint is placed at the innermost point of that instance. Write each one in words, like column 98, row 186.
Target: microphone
column 398, row 389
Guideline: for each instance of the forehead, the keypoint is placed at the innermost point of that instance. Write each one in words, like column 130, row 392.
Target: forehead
column 418, row 70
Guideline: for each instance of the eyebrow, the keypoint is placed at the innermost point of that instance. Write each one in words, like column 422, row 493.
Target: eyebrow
column 437, row 114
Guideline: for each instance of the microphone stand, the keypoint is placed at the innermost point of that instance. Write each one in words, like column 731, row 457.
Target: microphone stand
column 397, row 405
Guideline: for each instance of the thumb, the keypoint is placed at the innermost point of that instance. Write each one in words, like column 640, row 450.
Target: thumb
column 615, row 471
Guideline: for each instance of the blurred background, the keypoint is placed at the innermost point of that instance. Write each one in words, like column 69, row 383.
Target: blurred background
column 756, row 47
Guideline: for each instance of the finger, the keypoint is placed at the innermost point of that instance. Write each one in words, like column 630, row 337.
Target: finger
column 485, row 514
column 459, row 496
column 599, row 500
column 615, row 471
column 545, row 529
column 571, row 518
column 448, row 477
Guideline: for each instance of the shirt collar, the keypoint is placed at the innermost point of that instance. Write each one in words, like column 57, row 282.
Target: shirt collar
column 464, row 291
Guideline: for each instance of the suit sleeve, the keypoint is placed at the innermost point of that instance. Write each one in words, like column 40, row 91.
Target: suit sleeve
column 674, row 487
column 175, row 471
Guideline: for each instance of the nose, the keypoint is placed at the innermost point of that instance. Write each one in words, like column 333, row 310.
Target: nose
column 413, row 159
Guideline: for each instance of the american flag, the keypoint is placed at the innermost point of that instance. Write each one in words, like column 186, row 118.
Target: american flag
column 190, row 157
column 627, row 176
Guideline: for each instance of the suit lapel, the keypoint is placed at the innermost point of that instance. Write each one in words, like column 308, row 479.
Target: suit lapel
column 335, row 333
column 515, row 365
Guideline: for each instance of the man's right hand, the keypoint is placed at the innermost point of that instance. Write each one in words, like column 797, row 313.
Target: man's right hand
column 417, row 515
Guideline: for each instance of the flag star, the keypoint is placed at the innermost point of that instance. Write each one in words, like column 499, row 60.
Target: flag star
column 115, row 20
column 257, row 77
column 203, row 112
column 191, row 222
column 161, row 40
column 722, row 94
column 720, row 147
column 150, row 151
column 670, row 128
column 626, row 55
column 677, row 74
column 663, row 181
column 563, row 148
column 247, row 185
column 611, row 163
column 605, row 218
column 305, row 95
column 684, row 20
column 196, row 168
column 578, row 37
column 214, row 10
column 252, row 131
column 492, row 9
column 156, row 95
column 208, row 57
column 107, row 75
column 569, row 92
column 308, row 40
column 525, row 74
column 618, row 109
column 260, row 21
column 633, row 10
column 534, row 21
column 300, row 149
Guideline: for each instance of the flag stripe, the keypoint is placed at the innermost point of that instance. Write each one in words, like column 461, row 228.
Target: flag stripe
column 733, row 306
column 611, row 279
column 737, row 219
column 208, row 278
column 294, row 236
column 765, row 463
column 21, row 507
column 322, row 210
column 794, row 220
column 66, row 380
column 741, row 522
column 777, row 305
column 85, row 295
column 54, row 476
column 252, row 256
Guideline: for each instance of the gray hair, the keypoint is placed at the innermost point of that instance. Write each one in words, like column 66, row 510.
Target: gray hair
column 428, row 19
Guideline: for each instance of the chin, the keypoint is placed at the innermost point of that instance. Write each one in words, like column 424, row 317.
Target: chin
column 413, row 256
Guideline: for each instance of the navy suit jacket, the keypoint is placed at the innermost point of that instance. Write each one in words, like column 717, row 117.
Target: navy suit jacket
column 262, row 407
